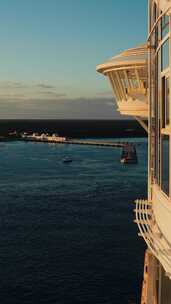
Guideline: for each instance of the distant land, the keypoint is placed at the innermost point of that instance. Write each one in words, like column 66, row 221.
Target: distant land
column 75, row 128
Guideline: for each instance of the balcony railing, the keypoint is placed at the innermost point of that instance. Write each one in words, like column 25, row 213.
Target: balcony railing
column 152, row 235
column 127, row 73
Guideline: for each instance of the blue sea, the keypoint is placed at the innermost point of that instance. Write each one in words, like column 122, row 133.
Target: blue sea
column 66, row 230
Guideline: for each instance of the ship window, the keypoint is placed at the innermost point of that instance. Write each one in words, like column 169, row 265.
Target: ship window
column 135, row 83
column 154, row 13
column 157, row 111
column 123, row 80
column 165, row 101
column 165, row 164
column 167, row 93
column 145, row 84
column 165, row 55
column 157, row 128
column 164, row 26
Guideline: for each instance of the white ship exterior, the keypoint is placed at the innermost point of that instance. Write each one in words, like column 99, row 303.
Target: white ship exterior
column 141, row 82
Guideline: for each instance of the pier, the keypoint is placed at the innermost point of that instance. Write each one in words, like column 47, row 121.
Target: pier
column 80, row 142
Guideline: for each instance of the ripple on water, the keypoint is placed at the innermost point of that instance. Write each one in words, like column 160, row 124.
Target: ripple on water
column 67, row 232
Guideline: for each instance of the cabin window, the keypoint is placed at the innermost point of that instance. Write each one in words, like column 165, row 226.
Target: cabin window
column 157, row 141
column 157, row 156
column 165, row 164
column 165, row 101
column 165, row 55
column 123, row 80
column 164, row 26
column 154, row 17
column 157, row 113
column 135, row 83
column 163, row 104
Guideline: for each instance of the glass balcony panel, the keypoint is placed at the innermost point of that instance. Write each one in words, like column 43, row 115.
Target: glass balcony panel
column 167, row 101
column 165, row 55
column 165, row 164
column 164, row 26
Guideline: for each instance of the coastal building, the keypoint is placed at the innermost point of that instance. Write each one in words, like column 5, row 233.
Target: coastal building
column 140, row 79
column 44, row 137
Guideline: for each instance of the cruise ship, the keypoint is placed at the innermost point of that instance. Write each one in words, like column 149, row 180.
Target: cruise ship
column 140, row 79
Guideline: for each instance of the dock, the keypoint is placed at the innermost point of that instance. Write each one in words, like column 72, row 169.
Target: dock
column 81, row 142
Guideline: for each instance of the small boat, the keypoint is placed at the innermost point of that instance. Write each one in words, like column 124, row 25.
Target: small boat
column 129, row 155
column 67, row 160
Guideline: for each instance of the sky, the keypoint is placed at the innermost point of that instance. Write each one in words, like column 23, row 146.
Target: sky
column 49, row 51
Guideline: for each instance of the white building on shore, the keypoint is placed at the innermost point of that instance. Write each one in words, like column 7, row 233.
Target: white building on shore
column 44, row 137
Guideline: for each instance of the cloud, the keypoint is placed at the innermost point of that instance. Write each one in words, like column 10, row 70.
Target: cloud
column 44, row 86
column 105, row 94
column 53, row 94
column 13, row 91
column 9, row 85
column 21, row 85
column 12, row 97
column 19, row 100
column 78, row 108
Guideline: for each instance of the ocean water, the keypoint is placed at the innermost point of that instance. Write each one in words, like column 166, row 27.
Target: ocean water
column 66, row 230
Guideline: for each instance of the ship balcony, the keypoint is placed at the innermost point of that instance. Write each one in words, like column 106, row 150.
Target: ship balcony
column 152, row 235
column 127, row 74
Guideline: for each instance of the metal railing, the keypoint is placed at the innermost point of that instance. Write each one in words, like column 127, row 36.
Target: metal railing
column 152, row 235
